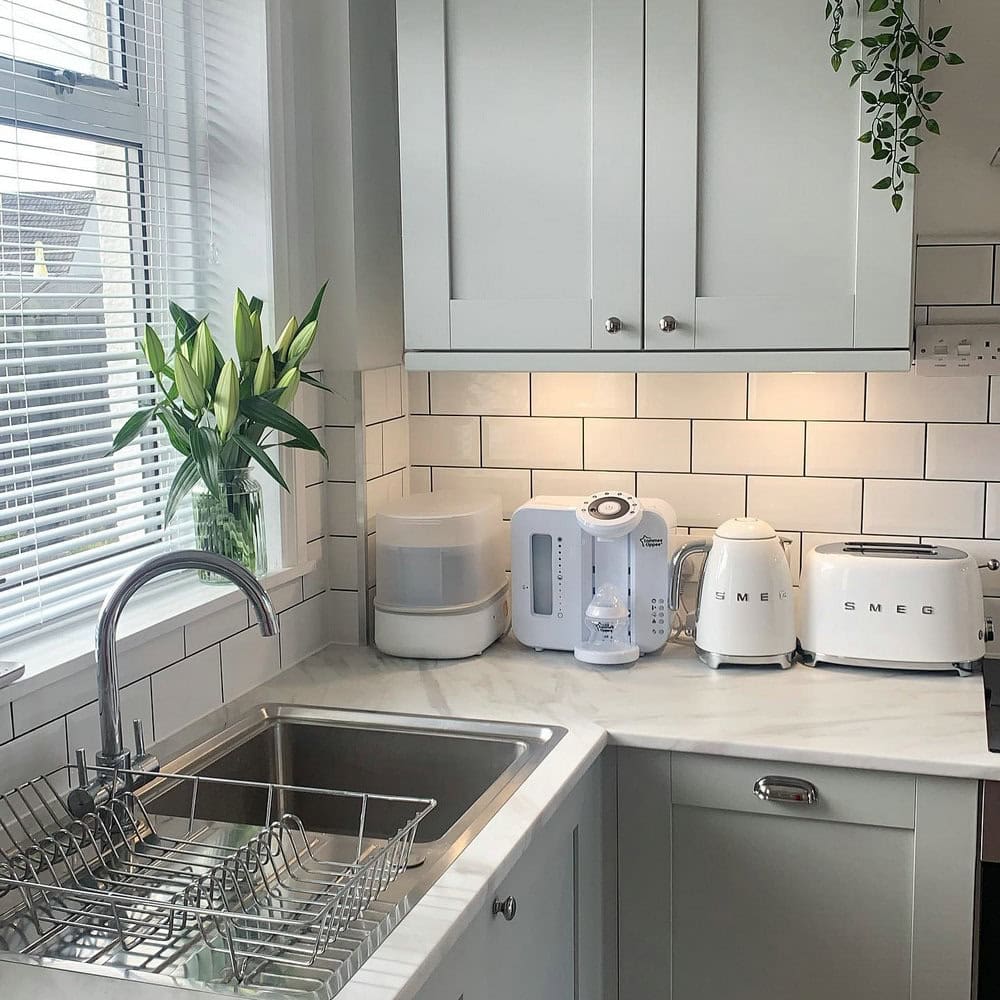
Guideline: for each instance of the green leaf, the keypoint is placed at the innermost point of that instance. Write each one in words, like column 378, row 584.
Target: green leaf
column 189, row 384
column 131, row 429
column 313, row 314
column 941, row 34
column 911, row 123
column 205, row 452
column 866, row 137
column 897, row 201
column 931, row 96
column 177, row 434
column 877, row 5
column 265, row 412
column 909, row 168
column 184, row 480
column 929, row 63
column 932, row 126
column 186, row 323
column 954, row 59
column 262, row 458
column 152, row 348
column 836, row 62
column 868, row 96
column 883, row 185
column 244, row 332
column 315, row 382
column 255, row 305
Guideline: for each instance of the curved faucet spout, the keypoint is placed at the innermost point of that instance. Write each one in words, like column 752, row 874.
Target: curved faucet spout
column 113, row 753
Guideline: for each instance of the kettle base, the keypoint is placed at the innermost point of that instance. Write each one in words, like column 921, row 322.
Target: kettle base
column 717, row 660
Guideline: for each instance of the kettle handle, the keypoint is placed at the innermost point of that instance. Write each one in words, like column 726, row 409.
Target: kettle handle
column 677, row 565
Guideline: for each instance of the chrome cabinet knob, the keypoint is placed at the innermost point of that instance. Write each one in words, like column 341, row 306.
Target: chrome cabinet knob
column 613, row 325
column 792, row 791
column 506, row 908
column 668, row 324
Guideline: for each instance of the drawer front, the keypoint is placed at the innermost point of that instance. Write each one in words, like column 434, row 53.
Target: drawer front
column 871, row 798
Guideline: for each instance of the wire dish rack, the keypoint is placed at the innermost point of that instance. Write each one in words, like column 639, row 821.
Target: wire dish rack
column 158, row 874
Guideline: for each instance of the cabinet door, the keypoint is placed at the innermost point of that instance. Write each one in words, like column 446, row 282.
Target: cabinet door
column 521, row 172
column 762, row 228
column 867, row 894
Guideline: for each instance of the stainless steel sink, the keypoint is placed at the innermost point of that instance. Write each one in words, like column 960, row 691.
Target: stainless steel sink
column 470, row 768
column 460, row 764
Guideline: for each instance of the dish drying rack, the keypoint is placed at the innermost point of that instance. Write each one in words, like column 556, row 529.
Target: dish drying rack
column 159, row 887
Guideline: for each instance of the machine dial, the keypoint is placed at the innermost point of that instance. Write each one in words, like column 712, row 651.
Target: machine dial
column 609, row 515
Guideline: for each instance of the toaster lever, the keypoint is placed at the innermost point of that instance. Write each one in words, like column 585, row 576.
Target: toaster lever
column 990, row 564
column 988, row 633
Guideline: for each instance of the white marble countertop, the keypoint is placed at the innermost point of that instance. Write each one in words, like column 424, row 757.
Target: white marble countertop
column 918, row 723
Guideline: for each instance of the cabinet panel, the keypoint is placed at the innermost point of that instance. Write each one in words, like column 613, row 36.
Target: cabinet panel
column 778, row 908
column 521, row 153
column 762, row 231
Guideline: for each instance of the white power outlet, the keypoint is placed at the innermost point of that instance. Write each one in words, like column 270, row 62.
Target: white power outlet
column 959, row 349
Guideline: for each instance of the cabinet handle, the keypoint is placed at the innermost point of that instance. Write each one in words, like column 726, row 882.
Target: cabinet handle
column 794, row 791
column 613, row 325
column 507, row 908
column 668, row 324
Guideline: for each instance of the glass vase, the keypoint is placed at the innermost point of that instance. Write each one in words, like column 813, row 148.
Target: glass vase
column 231, row 524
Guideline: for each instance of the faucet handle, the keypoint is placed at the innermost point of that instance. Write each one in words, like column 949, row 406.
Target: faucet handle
column 81, row 767
column 140, row 739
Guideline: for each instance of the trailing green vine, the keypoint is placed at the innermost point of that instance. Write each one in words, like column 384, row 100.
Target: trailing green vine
column 896, row 58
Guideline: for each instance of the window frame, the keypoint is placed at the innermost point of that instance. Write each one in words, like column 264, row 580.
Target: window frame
column 116, row 112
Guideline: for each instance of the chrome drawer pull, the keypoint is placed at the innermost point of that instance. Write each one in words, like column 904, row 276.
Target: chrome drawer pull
column 506, row 908
column 796, row 791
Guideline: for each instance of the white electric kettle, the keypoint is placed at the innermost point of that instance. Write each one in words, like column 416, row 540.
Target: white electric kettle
column 745, row 613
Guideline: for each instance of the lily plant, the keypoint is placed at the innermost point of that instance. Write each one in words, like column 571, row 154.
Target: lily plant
column 221, row 413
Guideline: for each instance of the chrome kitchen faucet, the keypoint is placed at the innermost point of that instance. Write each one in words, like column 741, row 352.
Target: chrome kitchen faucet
column 113, row 757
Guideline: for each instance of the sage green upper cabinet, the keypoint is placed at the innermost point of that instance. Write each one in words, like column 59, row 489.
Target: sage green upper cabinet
column 521, row 153
column 763, row 231
column 642, row 184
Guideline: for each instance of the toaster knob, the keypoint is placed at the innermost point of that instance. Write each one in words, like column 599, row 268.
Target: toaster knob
column 989, row 634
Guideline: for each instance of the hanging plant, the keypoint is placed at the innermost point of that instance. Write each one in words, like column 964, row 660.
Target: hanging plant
column 896, row 59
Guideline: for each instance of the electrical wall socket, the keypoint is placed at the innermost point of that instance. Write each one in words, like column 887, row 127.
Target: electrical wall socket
column 959, row 349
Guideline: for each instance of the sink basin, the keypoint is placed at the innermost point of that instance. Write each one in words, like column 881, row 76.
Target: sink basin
column 470, row 768
column 455, row 764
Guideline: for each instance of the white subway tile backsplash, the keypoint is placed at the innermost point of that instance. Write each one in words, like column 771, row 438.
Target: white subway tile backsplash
column 513, row 486
column 444, row 440
column 418, row 392
column 996, row 276
column 526, row 442
column 381, row 492
column 699, row 500
column 907, row 396
column 765, row 447
column 610, row 394
column 283, row 597
column 6, row 724
column 341, row 508
column 963, row 451
column 797, row 504
column 642, row 445
column 341, row 449
column 956, row 275
column 721, row 396
column 38, row 752
column 373, row 451
column 318, row 579
column 923, row 508
column 248, row 659
column 186, row 691
column 341, row 400
column 481, row 393
column 806, row 396
column 313, row 497
column 992, row 524
column 342, row 608
column 884, row 451
column 957, row 315
column 420, row 479
column 572, row 483
column 395, row 444
column 382, row 394
column 304, row 629
column 213, row 628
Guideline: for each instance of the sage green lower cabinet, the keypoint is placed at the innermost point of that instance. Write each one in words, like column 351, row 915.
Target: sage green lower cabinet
column 866, row 894
column 556, row 945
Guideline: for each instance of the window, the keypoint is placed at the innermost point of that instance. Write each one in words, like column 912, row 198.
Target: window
column 99, row 189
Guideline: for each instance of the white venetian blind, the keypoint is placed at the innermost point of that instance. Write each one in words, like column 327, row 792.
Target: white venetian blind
column 103, row 199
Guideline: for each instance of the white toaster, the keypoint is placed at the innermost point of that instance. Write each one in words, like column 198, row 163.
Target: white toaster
column 894, row 605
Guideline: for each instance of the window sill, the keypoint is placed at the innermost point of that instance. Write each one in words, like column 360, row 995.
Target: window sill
column 60, row 649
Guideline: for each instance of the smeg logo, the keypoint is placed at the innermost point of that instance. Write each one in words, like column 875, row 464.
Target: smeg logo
column 875, row 608
column 743, row 597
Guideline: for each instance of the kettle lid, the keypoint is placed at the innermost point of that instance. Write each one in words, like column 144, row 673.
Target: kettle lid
column 745, row 528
